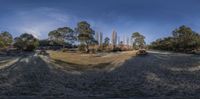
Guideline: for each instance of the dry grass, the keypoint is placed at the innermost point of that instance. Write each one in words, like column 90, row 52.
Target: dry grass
column 85, row 61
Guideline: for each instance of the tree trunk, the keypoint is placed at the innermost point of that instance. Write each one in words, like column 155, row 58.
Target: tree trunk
column 63, row 46
column 87, row 47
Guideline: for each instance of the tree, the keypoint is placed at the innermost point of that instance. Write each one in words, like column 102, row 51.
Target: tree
column 114, row 39
column 62, row 35
column 6, row 39
column 127, row 41
column 1, row 43
column 106, row 41
column 101, row 39
column 163, row 44
column 138, row 40
column 85, row 34
column 185, row 38
column 44, row 42
column 118, row 40
column 97, row 37
column 26, row 42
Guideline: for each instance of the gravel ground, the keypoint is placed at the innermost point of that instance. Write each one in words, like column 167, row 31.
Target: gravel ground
column 165, row 75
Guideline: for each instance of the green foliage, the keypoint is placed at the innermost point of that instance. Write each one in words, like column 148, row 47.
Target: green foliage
column 26, row 42
column 106, row 41
column 2, row 45
column 163, row 44
column 85, row 34
column 55, row 36
column 183, row 39
column 62, row 36
column 6, row 39
column 44, row 42
column 138, row 40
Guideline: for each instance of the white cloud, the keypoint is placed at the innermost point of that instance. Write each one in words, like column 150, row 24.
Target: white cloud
column 40, row 21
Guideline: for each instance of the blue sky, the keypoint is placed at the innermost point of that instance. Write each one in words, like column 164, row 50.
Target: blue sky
column 152, row 18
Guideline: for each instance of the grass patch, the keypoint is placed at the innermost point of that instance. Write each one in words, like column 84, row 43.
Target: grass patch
column 79, row 61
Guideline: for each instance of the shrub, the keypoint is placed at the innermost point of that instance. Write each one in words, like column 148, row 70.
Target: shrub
column 81, row 47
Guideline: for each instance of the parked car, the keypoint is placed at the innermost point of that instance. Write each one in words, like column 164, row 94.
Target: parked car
column 42, row 52
column 141, row 52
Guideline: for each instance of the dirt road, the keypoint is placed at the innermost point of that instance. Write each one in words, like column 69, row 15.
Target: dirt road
column 154, row 75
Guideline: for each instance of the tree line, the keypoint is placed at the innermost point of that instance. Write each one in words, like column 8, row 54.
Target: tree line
column 82, row 36
column 25, row 42
column 183, row 39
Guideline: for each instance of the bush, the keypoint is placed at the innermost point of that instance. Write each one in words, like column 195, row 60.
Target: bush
column 26, row 42
column 30, row 48
column 92, row 51
column 64, row 50
column 117, row 49
column 81, row 47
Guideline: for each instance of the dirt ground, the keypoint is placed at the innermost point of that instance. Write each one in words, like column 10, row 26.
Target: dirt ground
column 87, row 59
column 157, row 75
column 82, row 62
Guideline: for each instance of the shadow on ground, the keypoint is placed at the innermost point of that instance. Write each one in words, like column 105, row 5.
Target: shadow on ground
column 143, row 76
